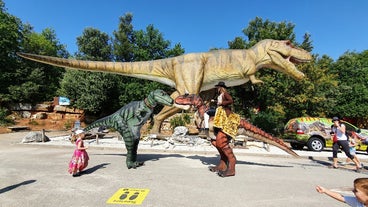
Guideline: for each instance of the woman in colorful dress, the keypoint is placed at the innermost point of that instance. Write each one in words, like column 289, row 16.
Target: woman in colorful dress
column 222, row 120
column 80, row 157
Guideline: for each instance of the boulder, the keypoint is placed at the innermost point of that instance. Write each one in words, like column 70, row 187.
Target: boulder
column 39, row 115
column 43, row 107
column 180, row 131
column 21, row 107
column 34, row 137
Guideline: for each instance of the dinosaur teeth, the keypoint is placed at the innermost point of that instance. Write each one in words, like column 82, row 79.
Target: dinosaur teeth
column 296, row 60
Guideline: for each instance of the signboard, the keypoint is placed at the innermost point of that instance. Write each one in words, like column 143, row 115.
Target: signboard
column 64, row 101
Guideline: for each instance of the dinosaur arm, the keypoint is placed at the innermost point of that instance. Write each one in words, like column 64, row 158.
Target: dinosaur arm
column 142, row 116
column 254, row 80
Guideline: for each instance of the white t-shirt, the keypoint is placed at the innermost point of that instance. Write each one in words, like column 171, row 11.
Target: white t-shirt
column 219, row 99
column 339, row 134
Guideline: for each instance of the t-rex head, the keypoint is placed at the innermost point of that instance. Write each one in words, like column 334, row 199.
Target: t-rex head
column 282, row 56
column 159, row 97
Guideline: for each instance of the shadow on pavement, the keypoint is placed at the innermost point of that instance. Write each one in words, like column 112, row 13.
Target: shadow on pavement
column 3, row 190
column 204, row 159
column 325, row 163
column 215, row 160
column 93, row 169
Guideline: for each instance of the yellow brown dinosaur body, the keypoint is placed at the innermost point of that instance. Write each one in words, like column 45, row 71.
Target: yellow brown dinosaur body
column 195, row 72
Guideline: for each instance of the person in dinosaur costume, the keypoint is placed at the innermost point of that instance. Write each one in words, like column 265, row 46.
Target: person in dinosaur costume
column 129, row 119
column 226, row 167
column 198, row 72
column 226, row 127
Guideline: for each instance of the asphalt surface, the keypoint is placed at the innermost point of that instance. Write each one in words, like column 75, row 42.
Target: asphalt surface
column 36, row 175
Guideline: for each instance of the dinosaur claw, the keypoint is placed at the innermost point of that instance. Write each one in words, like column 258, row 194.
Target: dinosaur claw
column 224, row 174
column 134, row 165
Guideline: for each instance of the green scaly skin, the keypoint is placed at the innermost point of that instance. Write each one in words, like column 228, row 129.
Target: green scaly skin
column 129, row 119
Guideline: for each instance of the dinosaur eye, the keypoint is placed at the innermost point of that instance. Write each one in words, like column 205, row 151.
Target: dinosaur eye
column 288, row 43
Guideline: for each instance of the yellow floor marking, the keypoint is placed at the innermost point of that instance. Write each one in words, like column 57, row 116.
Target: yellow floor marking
column 131, row 196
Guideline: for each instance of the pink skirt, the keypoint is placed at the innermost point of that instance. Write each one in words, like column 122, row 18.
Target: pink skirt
column 78, row 162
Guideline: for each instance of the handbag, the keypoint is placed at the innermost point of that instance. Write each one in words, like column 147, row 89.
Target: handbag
column 334, row 138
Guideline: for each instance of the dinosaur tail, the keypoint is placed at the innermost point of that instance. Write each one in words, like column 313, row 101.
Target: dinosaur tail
column 106, row 122
column 263, row 136
column 149, row 70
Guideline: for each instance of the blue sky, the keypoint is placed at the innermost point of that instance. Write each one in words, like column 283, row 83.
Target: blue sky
column 336, row 26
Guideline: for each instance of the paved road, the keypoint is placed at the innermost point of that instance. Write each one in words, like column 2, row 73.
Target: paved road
column 36, row 175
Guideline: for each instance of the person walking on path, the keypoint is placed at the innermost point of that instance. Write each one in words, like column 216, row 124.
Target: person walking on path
column 226, row 166
column 80, row 156
column 352, row 150
column 340, row 139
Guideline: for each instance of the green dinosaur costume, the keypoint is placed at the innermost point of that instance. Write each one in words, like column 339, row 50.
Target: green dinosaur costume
column 129, row 119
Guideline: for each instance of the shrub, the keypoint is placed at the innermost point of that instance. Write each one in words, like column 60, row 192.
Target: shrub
column 180, row 120
column 4, row 120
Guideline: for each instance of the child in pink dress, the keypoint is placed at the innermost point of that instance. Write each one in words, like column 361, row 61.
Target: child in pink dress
column 80, row 157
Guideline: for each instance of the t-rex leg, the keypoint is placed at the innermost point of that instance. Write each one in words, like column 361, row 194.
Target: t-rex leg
column 134, row 154
column 131, row 145
column 222, row 143
column 190, row 82
column 230, row 171
column 222, row 165
column 165, row 113
column 219, row 141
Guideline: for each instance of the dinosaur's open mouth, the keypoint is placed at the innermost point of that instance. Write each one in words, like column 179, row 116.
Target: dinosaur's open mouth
column 294, row 59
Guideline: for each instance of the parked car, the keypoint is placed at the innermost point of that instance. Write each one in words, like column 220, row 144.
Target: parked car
column 314, row 133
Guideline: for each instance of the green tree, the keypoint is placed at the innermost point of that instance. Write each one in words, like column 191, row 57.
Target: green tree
column 351, row 70
column 37, row 82
column 21, row 80
column 10, row 36
column 94, row 92
column 258, row 30
column 123, row 39
column 140, row 45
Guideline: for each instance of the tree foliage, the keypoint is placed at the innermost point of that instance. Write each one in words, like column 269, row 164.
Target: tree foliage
column 140, row 45
column 11, row 34
column 352, row 73
column 26, row 81
column 94, row 92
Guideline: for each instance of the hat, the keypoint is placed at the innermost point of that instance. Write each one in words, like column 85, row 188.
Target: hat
column 221, row 84
column 79, row 131
column 335, row 118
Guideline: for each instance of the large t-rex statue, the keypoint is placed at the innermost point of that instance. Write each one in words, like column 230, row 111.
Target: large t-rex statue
column 129, row 119
column 195, row 72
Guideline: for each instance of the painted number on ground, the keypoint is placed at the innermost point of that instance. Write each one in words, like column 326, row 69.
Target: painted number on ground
column 131, row 196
